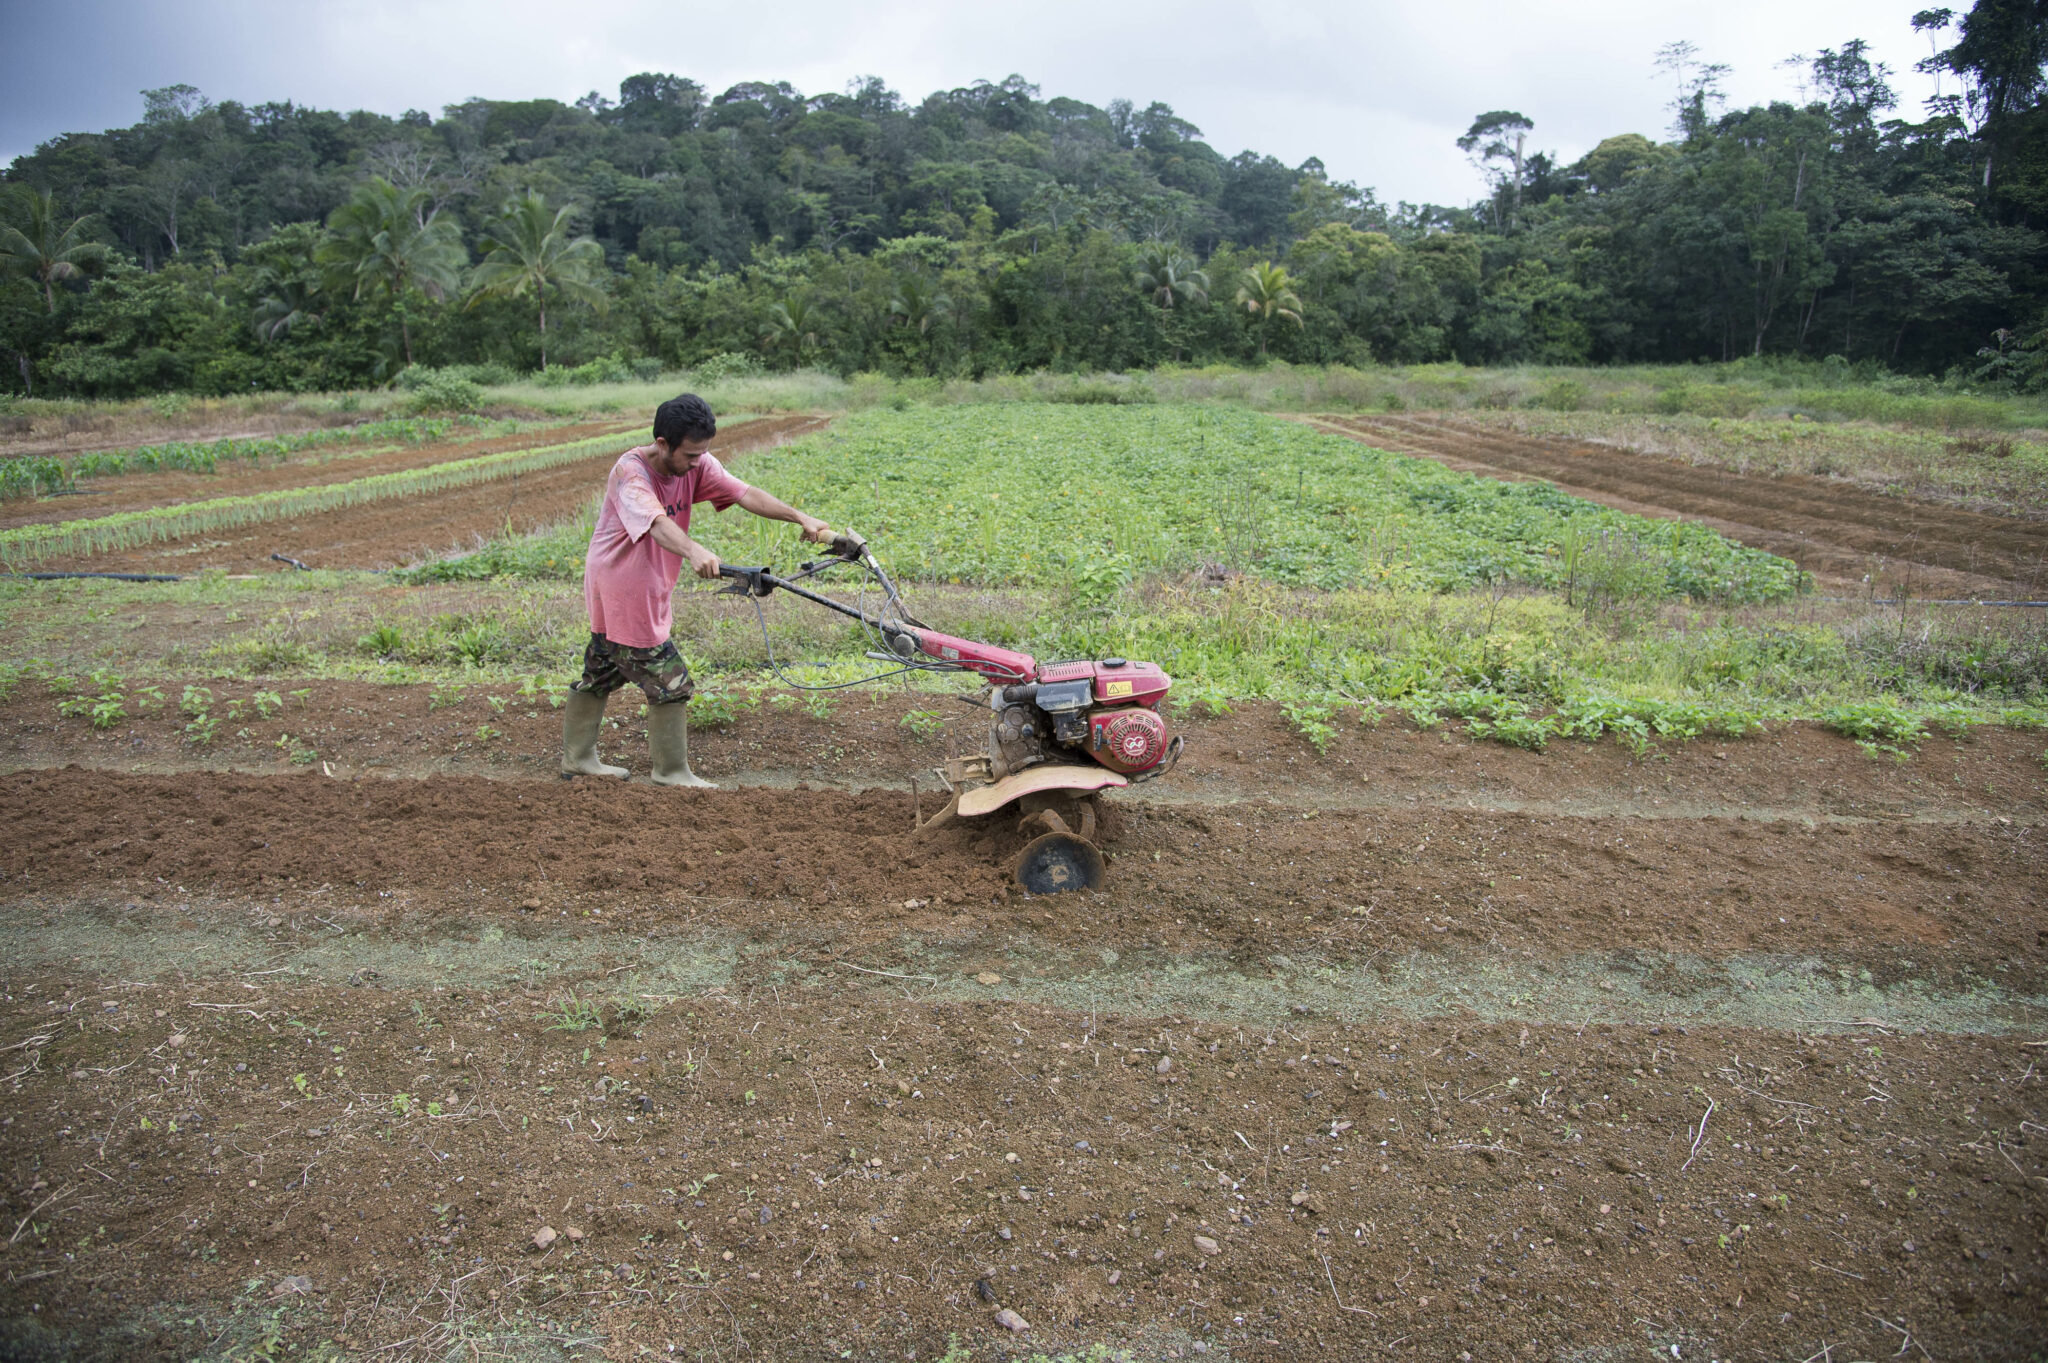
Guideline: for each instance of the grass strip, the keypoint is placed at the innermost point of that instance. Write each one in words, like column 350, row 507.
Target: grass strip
column 124, row 530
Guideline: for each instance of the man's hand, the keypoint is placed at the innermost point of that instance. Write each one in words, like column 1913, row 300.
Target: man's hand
column 703, row 562
column 814, row 530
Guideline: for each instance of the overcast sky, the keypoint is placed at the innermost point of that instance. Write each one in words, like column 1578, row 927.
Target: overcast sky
column 1379, row 90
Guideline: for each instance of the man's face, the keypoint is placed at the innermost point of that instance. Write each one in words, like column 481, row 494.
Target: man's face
column 677, row 460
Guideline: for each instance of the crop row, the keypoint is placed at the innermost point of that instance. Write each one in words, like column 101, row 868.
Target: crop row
column 30, row 475
column 1089, row 500
column 33, row 543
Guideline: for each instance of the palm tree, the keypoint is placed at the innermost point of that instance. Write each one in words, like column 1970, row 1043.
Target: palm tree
column 529, row 247
column 792, row 326
column 1166, row 276
column 918, row 303
column 35, row 247
column 1268, row 292
column 284, row 301
column 379, row 243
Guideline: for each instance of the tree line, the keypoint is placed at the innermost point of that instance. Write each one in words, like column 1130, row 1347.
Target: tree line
column 220, row 247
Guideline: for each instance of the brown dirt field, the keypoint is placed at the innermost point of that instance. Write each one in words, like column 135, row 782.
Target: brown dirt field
column 889, row 1174
column 1839, row 534
column 1420, row 1048
column 1790, row 844
column 141, row 491
column 394, row 533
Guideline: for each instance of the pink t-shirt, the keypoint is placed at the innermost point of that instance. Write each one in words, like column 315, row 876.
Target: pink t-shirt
column 628, row 579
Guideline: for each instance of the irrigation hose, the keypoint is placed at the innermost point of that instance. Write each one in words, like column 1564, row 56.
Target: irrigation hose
column 1924, row 601
column 117, row 577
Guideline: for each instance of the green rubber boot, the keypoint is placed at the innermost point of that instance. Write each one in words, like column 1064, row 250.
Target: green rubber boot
column 582, row 716
column 668, row 738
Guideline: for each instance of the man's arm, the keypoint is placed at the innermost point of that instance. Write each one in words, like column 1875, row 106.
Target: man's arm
column 703, row 562
column 770, row 507
column 666, row 533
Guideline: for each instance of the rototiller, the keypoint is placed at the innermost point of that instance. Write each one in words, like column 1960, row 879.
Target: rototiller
column 1059, row 733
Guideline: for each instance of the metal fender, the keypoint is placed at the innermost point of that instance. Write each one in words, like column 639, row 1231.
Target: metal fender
column 1056, row 776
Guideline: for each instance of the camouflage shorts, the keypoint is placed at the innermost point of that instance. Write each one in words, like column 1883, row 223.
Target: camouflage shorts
column 659, row 672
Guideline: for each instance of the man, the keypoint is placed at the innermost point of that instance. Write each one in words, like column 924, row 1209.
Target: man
column 636, row 554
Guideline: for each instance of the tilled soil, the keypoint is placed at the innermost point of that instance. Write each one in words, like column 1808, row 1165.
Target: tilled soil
column 819, row 1170
column 1839, row 534
column 393, row 533
column 1797, row 843
column 1419, row 1045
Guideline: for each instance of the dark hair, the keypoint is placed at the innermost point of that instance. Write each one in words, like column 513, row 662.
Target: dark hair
column 684, row 418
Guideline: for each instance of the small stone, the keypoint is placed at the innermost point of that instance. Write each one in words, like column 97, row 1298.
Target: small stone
column 1207, row 1245
column 875, row 1163
column 1165, row 1064
column 575, row 1234
column 1082, row 1145
column 1003, row 1233
column 1116, row 1275
column 1908, row 1247
column 1010, row 1158
column 1011, row 1321
column 544, row 1237
column 903, row 1088
column 315, row 1132
column 177, row 1039
column 274, row 922
column 986, row 1290
column 529, row 905
column 645, row 1103
column 727, row 1256
column 1300, row 1198
column 297, row 1284
column 988, row 977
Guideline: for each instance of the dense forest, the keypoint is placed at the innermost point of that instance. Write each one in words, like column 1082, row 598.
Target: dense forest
column 219, row 247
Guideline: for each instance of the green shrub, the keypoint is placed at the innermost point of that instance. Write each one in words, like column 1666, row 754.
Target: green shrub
column 439, row 393
column 725, row 365
column 491, row 374
column 609, row 369
column 1102, row 395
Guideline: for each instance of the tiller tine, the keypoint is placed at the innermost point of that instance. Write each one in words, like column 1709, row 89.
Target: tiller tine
column 1060, row 859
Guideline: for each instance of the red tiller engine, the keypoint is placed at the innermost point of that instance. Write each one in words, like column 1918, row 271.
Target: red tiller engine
column 1105, row 712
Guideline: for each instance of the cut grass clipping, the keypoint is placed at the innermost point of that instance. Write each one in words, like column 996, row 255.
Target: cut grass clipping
column 33, row 543
column 1086, row 501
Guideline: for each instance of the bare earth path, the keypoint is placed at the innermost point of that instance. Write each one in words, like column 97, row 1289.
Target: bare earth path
column 1839, row 534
